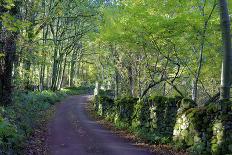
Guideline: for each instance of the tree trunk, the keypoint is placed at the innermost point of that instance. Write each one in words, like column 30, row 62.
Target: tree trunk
column 60, row 71
column 1, row 59
column 8, row 47
column 72, row 69
column 164, row 89
column 116, row 83
column 131, row 80
column 202, row 47
column 69, row 78
column 48, row 80
column 63, row 72
column 43, row 66
column 41, row 79
column 226, row 39
column 54, row 70
column 30, row 34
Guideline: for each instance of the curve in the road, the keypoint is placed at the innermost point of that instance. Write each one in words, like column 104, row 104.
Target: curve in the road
column 71, row 132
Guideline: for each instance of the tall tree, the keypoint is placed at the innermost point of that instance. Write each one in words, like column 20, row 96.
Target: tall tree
column 227, row 59
column 8, row 48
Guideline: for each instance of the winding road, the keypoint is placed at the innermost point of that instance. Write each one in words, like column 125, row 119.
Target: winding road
column 72, row 132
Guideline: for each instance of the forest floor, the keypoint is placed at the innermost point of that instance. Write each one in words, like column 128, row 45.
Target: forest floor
column 72, row 131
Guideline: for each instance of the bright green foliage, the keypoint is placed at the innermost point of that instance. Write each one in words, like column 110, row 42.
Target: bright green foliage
column 160, row 38
column 8, row 4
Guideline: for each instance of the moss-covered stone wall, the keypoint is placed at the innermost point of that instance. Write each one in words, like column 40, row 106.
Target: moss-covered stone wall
column 124, row 111
column 104, row 105
column 205, row 130
column 157, row 114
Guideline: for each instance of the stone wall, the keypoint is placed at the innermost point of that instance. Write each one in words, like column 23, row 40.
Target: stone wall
column 104, row 105
column 124, row 109
column 157, row 114
column 205, row 130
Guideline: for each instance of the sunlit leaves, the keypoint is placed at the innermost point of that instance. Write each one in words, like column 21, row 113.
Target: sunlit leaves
column 165, row 28
column 2, row 55
column 10, row 22
column 8, row 4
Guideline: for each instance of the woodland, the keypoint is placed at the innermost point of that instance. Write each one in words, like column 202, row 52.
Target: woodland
column 171, row 58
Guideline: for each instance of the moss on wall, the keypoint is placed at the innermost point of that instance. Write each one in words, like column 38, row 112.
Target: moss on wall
column 201, row 130
column 163, row 112
column 124, row 110
column 104, row 105
column 205, row 130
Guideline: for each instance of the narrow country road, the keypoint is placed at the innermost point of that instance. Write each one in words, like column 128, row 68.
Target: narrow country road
column 71, row 132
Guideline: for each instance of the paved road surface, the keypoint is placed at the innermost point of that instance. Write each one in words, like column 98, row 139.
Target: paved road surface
column 71, row 132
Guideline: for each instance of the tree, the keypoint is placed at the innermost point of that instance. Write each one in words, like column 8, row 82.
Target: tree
column 169, row 45
column 9, row 13
column 227, row 58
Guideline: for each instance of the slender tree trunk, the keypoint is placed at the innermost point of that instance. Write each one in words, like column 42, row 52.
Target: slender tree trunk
column 139, row 77
column 59, row 74
column 1, row 57
column 131, row 80
column 226, row 39
column 48, row 80
column 27, row 67
column 30, row 35
column 202, row 47
column 72, row 69
column 69, row 78
column 55, row 69
column 164, row 89
column 116, row 83
column 63, row 72
column 16, row 66
column 103, row 76
column 42, row 76
column 43, row 66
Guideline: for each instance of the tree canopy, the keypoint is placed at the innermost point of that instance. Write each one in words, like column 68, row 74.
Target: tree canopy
column 136, row 48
